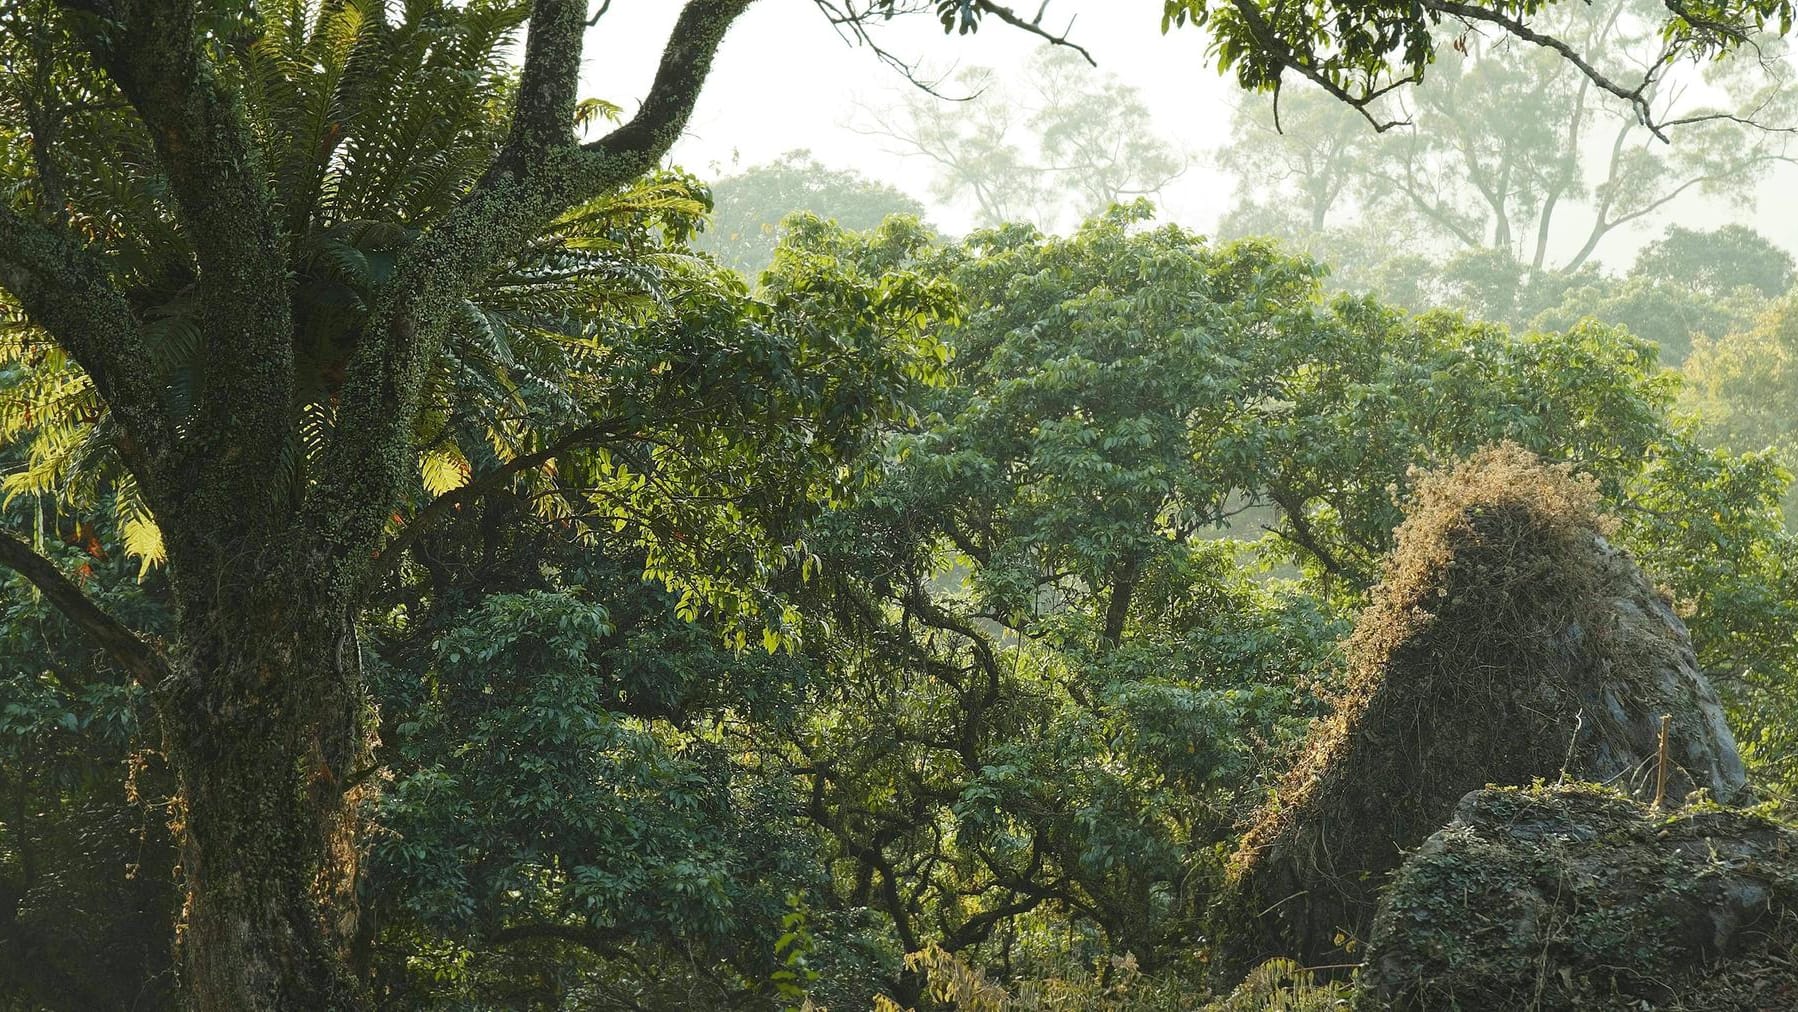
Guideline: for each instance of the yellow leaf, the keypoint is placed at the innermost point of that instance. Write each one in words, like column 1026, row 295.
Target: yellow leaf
column 443, row 469
column 143, row 539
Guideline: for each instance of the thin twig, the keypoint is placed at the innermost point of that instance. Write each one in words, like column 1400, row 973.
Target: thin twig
column 1660, row 779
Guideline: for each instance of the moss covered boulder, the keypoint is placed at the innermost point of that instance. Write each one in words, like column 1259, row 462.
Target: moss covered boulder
column 1580, row 898
column 1508, row 642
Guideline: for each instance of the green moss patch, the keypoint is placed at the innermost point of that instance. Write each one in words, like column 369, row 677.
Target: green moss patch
column 1577, row 897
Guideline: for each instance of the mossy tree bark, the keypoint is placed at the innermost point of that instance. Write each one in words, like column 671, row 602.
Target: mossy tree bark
column 263, row 728
column 260, row 692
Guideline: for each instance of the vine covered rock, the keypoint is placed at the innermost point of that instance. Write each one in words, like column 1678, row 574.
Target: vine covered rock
column 1577, row 897
column 1509, row 642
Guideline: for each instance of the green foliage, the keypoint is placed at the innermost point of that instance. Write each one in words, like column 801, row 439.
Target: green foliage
column 1740, row 383
column 1046, row 542
column 1717, row 262
column 636, row 400
column 1057, row 684
column 567, row 783
column 370, row 127
column 1053, row 539
column 1667, row 313
column 794, row 977
column 1070, row 679
column 709, row 424
column 992, row 512
column 1709, row 523
column 362, row 118
column 86, row 859
column 1113, row 985
column 577, row 774
column 1282, row 985
column 748, row 207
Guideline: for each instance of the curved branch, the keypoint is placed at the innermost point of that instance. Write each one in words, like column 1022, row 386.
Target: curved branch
column 1303, row 536
column 66, row 289
column 135, row 657
column 635, row 147
column 1035, row 26
column 1273, row 45
column 539, row 175
column 1636, row 96
column 544, row 112
column 443, row 505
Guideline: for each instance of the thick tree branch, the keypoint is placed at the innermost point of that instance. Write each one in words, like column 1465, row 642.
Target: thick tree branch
column 152, row 50
column 637, row 145
column 1117, row 607
column 596, row 940
column 977, row 928
column 130, row 653
column 543, row 118
column 1303, row 536
column 66, row 289
column 539, row 175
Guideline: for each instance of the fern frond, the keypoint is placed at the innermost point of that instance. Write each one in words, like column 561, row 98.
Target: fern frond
column 137, row 529
column 443, row 469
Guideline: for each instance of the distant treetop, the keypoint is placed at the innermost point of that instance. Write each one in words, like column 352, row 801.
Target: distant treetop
column 749, row 206
column 1718, row 261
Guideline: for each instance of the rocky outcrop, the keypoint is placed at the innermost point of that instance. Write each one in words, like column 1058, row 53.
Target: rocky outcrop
column 1509, row 642
column 1580, row 898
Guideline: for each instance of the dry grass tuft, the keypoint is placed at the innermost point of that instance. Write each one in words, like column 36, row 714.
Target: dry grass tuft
column 1505, row 644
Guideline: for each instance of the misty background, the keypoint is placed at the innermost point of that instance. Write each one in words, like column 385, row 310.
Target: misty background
column 834, row 99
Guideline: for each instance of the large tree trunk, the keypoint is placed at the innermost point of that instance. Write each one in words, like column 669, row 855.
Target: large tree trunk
column 260, row 695
column 264, row 726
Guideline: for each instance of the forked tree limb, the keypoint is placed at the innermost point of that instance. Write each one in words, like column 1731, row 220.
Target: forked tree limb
column 154, row 51
column 67, row 289
column 540, row 173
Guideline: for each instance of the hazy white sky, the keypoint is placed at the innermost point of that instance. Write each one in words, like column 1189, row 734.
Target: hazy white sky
column 784, row 80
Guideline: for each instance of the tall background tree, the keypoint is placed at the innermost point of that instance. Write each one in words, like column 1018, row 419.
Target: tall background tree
column 749, row 206
column 1514, row 165
column 1059, row 145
